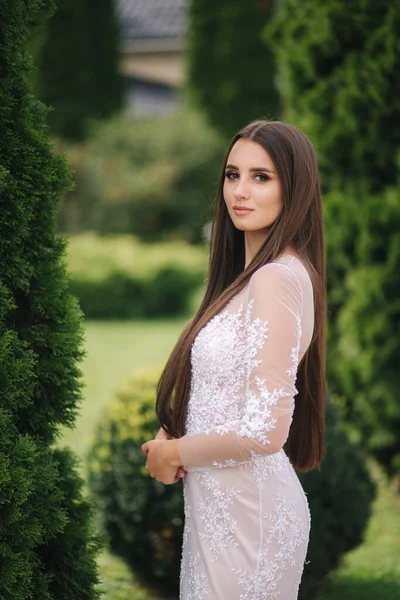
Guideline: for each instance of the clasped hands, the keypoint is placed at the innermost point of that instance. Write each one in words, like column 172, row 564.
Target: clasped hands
column 163, row 459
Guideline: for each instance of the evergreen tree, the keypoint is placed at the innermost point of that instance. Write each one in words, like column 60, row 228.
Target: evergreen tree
column 340, row 81
column 47, row 544
column 78, row 65
column 338, row 63
column 231, row 73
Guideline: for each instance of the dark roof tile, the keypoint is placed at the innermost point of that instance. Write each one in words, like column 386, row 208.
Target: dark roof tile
column 152, row 19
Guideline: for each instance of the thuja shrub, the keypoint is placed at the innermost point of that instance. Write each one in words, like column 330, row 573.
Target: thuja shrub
column 47, row 544
column 325, row 52
column 144, row 518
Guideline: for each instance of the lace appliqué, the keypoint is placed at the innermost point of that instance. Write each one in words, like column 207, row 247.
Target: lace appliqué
column 263, row 466
column 193, row 578
column 219, row 526
column 292, row 372
column 230, row 462
column 286, row 533
column 223, row 356
column 259, row 420
column 197, row 580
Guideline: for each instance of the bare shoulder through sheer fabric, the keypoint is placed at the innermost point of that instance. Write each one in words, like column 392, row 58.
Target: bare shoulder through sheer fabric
column 247, row 520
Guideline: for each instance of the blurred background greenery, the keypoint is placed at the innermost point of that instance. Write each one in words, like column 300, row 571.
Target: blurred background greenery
column 145, row 97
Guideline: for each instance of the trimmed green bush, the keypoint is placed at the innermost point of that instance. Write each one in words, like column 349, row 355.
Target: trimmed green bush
column 144, row 518
column 48, row 545
column 123, row 296
column 119, row 277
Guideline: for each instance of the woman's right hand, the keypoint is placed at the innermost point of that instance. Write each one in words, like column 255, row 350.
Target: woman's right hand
column 163, row 435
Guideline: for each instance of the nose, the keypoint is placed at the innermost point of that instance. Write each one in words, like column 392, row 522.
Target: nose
column 241, row 190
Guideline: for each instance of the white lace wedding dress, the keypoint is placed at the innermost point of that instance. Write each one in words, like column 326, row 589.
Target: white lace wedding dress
column 247, row 520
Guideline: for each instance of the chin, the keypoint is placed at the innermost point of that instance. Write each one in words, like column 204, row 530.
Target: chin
column 252, row 226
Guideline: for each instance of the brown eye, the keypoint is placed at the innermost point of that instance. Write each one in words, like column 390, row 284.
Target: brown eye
column 263, row 177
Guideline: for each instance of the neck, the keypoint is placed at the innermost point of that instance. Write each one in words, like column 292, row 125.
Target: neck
column 253, row 240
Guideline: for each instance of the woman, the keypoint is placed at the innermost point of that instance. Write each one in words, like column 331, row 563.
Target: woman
column 233, row 422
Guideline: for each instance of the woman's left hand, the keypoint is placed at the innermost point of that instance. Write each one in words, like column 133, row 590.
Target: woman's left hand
column 163, row 460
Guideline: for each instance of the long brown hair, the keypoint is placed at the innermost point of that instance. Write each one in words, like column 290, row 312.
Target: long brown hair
column 299, row 225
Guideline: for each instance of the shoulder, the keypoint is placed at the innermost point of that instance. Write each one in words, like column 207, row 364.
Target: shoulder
column 276, row 273
column 276, row 280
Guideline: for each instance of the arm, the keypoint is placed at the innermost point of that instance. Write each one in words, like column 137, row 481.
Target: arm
column 275, row 305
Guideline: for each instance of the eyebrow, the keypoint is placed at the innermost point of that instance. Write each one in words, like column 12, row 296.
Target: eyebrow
column 252, row 170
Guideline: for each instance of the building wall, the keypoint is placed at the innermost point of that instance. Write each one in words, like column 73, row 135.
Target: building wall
column 163, row 67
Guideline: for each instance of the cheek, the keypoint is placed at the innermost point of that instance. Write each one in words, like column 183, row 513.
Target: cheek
column 270, row 196
column 226, row 191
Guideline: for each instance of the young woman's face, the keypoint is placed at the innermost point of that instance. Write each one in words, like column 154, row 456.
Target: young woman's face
column 251, row 182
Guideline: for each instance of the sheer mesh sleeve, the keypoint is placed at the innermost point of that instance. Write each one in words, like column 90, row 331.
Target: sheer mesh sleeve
column 274, row 306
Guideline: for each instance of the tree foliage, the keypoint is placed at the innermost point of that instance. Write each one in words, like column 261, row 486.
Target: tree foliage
column 231, row 72
column 47, row 547
column 78, row 64
column 154, row 178
column 340, row 83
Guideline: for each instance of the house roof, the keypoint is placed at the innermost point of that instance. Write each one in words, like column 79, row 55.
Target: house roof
column 152, row 20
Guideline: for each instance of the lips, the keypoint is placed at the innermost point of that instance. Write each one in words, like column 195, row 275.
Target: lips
column 242, row 209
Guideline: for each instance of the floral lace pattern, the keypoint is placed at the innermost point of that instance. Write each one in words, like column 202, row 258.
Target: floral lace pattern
column 247, row 519
column 290, row 532
column 262, row 467
column 197, row 581
column 218, row 526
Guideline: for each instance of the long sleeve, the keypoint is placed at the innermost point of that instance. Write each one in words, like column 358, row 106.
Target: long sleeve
column 273, row 335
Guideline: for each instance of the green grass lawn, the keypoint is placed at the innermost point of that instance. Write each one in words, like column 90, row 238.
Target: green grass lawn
column 114, row 350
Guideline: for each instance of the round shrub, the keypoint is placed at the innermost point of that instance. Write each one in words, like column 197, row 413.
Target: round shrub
column 144, row 518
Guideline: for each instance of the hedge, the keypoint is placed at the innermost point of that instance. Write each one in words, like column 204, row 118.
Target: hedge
column 117, row 277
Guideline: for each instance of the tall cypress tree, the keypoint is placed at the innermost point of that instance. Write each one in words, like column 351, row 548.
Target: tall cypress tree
column 47, row 544
column 339, row 76
column 78, row 65
column 338, row 63
column 231, row 72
